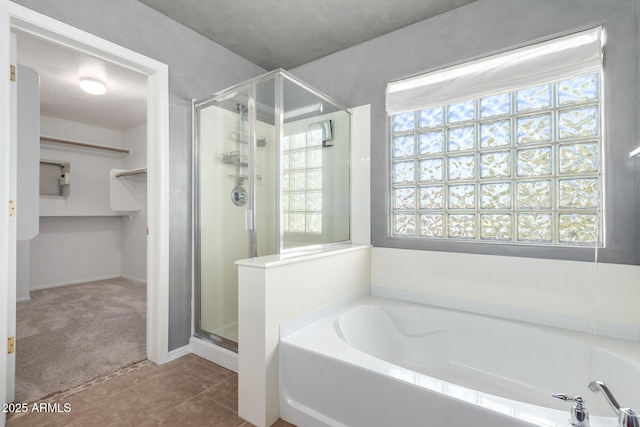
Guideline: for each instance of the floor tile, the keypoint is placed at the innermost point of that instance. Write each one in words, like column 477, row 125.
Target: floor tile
column 169, row 390
column 33, row 419
column 125, row 408
column 198, row 411
column 111, row 384
column 41, row 417
column 189, row 391
column 208, row 375
column 225, row 393
column 218, row 368
column 166, row 367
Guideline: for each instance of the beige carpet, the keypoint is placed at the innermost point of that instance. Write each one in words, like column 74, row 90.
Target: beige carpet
column 72, row 334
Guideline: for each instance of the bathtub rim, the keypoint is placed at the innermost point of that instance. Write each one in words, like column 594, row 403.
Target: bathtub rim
column 555, row 320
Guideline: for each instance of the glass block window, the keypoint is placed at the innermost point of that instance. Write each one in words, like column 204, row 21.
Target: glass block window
column 302, row 182
column 522, row 166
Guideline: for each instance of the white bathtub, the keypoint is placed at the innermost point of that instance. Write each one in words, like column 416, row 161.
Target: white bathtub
column 386, row 363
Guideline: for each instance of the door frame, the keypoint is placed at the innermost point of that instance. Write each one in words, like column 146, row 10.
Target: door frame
column 14, row 16
column 7, row 223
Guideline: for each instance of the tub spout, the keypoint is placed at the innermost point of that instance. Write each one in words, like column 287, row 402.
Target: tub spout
column 627, row 417
column 597, row 386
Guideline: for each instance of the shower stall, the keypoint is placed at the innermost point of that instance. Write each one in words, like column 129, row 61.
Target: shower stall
column 271, row 175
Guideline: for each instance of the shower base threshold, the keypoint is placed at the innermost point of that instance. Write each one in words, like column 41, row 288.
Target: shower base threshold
column 214, row 353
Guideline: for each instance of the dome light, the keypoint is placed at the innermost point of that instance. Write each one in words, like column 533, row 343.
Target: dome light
column 92, row 86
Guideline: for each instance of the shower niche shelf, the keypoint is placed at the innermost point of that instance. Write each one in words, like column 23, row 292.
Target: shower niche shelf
column 261, row 141
column 244, row 177
column 235, row 158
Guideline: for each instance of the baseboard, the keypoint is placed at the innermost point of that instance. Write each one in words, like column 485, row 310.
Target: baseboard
column 134, row 279
column 73, row 282
column 23, row 299
column 179, row 352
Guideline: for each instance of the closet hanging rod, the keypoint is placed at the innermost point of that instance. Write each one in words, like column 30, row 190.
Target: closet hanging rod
column 47, row 162
column 85, row 144
column 131, row 172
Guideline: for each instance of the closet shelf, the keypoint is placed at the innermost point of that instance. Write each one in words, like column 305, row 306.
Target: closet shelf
column 130, row 172
column 85, row 144
column 126, row 195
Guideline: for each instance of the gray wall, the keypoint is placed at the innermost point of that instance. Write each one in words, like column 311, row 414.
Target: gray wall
column 358, row 76
column 355, row 76
column 197, row 68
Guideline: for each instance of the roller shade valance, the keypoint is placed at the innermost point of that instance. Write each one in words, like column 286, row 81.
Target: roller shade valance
column 539, row 63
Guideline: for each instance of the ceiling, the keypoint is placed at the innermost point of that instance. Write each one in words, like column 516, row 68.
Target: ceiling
column 289, row 33
column 271, row 34
column 60, row 68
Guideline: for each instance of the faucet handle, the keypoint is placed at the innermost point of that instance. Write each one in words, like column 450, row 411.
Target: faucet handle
column 568, row 398
column 579, row 414
column 629, row 418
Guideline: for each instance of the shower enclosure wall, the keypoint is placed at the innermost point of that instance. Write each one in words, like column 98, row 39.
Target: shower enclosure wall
column 271, row 175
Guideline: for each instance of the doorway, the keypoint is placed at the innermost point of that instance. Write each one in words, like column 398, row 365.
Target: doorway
column 25, row 20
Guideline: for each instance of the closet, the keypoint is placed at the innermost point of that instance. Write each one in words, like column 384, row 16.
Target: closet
column 91, row 221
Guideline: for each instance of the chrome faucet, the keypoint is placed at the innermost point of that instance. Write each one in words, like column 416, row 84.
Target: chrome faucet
column 579, row 414
column 627, row 417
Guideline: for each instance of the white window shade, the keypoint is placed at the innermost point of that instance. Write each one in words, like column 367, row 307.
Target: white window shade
column 527, row 66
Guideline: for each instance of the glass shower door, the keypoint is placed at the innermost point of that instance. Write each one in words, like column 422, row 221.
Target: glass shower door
column 224, row 213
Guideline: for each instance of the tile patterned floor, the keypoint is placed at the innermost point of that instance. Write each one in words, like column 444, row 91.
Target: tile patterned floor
column 189, row 391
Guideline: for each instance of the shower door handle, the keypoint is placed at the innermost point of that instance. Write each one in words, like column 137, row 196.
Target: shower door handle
column 248, row 218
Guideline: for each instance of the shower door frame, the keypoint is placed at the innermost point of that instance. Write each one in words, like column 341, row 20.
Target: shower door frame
column 197, row 106
column 248, row 87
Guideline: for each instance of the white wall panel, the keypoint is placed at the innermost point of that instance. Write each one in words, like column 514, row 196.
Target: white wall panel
column 559, row 293
column 75, row 249
column 361, row 174
column 276, row 289
column 89, row 188
column 28, row 199
column 23, row 270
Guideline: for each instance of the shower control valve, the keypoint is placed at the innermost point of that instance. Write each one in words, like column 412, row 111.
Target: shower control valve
column 239, row 196
column 579, row 414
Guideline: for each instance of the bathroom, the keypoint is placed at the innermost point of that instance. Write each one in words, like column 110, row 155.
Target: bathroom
column 542, row 287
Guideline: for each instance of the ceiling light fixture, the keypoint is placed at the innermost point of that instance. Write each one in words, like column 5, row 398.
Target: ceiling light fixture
column 92, row 86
